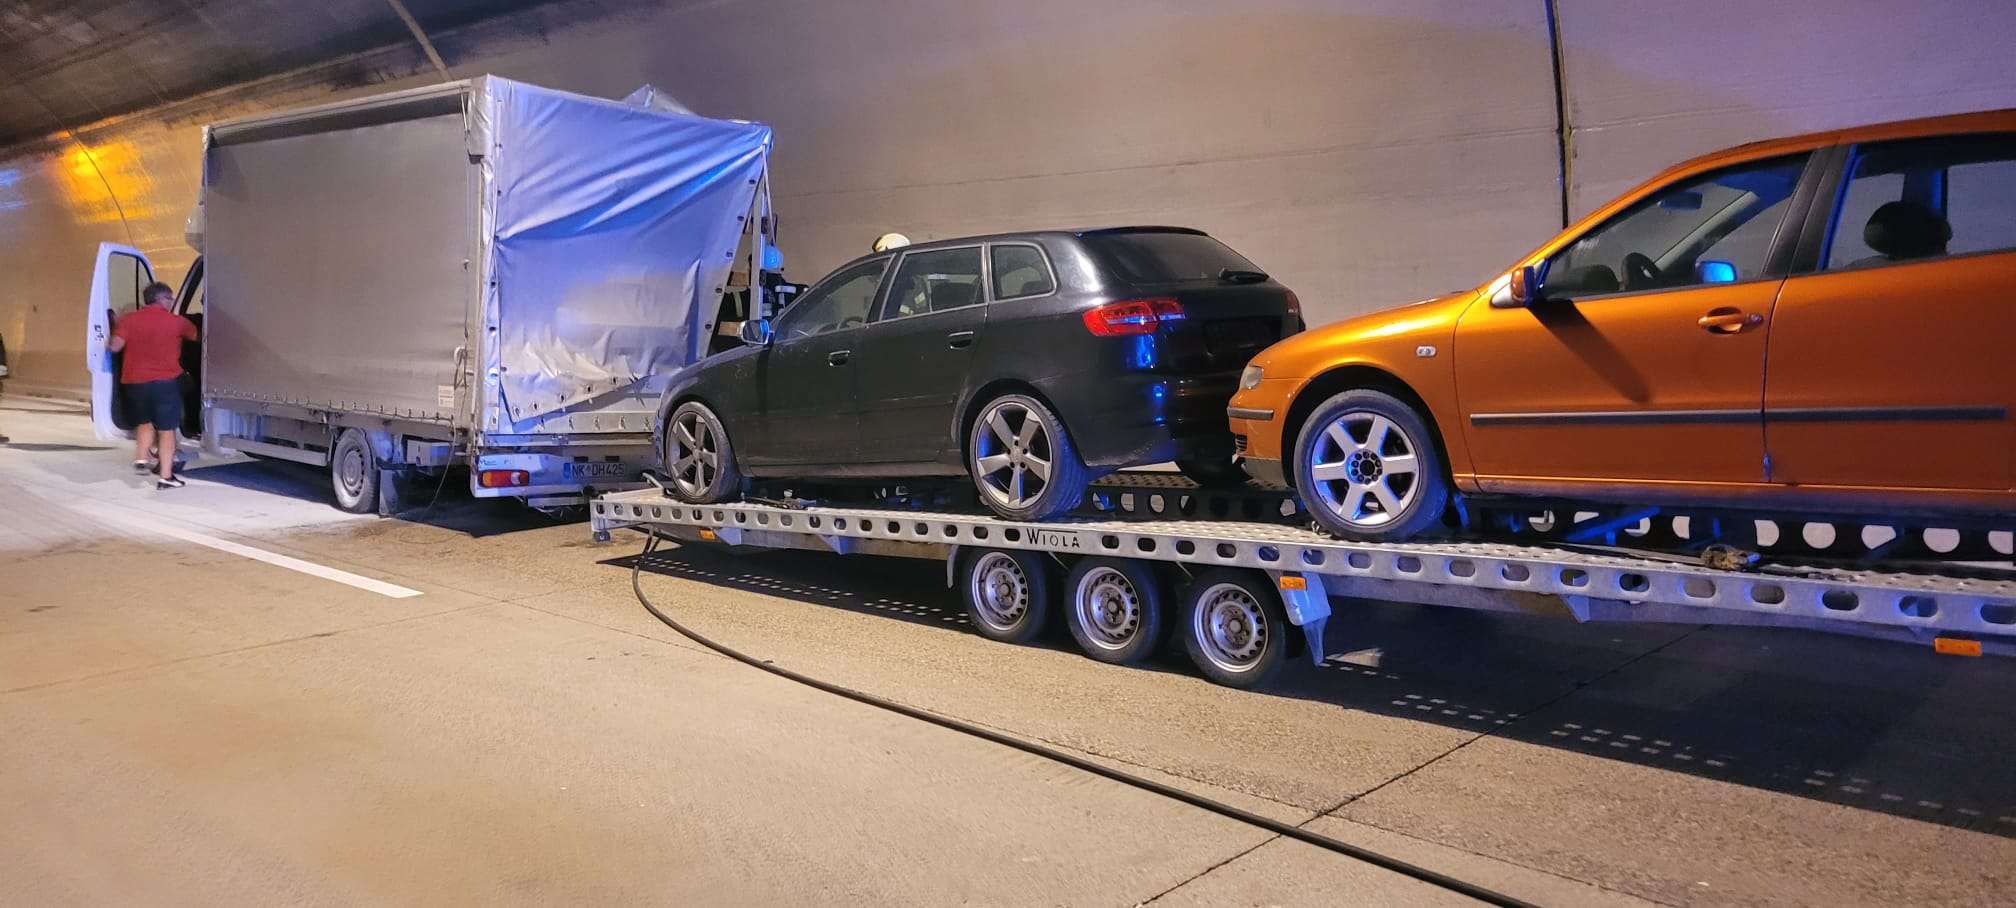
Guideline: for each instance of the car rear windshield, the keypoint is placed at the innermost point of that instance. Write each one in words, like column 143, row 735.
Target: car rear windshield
column 1154, row 257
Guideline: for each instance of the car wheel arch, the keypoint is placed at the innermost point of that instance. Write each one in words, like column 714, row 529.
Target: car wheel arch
column 969, row 411
column 1351, row 377
column 672, row 403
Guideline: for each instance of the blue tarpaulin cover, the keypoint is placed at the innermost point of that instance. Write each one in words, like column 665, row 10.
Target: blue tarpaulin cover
column 610, row 230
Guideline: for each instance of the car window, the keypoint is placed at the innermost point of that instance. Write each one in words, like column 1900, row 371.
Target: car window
column 1161, row 257
column 1925, row 198
column 1020, row 270
column 1708, row 229
column 936, row 280
column 841, row 301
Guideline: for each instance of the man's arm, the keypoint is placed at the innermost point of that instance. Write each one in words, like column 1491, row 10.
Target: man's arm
column 188, row 330
column 116, row 344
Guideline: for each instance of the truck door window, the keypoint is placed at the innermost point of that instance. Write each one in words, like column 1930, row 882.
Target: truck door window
column 125, row 277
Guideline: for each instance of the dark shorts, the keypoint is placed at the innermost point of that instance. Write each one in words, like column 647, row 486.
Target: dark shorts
column 157, row 402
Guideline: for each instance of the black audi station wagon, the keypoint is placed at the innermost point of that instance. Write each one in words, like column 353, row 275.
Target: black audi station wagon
column 1033, row 362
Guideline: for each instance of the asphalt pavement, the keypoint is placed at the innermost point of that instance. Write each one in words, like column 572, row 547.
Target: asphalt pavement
column 233, row 692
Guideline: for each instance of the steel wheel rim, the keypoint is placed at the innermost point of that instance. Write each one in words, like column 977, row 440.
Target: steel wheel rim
column 1357, row 461
column 1108, row 607
column 1230, row 627
column 999, row 591
column 1013, row 455
column 695, row 455
column 350, row 466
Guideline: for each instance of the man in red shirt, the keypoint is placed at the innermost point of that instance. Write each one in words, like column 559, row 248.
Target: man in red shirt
column 150, row 376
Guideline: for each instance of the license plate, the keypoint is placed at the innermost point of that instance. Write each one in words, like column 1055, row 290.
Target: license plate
column 586, row 471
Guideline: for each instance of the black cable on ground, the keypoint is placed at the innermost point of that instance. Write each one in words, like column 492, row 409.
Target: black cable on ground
column 1288, row 830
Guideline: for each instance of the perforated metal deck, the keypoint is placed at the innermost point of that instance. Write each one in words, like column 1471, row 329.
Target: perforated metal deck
column 1470, row 574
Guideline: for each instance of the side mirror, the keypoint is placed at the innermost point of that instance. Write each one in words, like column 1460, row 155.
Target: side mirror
column 756, row 332
column 1523, row 290
column 1712, row 271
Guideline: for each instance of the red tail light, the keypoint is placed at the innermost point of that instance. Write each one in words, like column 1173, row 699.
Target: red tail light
column 1132, row 316
column 1294, row 305
column 503, row 479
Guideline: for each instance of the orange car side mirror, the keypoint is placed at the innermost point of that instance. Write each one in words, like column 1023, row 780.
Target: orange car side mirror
column 1524, row 290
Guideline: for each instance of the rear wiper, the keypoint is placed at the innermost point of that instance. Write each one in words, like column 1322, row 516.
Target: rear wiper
column 1242, row 276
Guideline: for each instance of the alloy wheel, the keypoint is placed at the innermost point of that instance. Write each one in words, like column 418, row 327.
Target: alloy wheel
column 695, row 453
column 1365, row 469
column 1013, row 455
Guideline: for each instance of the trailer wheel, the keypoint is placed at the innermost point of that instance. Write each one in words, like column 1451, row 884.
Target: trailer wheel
column 1115, row 609
column 1234, row 627
column 1007, row 593
column 353, row 473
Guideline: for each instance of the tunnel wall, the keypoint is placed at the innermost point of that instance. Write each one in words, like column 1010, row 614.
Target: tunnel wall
column 1367, row 152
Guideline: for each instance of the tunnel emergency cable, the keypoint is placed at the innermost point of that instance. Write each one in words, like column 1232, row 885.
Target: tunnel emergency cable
column 1286, row 830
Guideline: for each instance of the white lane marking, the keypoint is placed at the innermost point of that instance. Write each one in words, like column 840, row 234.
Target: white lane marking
column 391, row 590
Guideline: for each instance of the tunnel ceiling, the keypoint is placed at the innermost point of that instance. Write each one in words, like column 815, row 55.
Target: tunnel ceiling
column 67, row 63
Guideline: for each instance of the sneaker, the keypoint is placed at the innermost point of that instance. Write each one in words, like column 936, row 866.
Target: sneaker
column 172, row 482
column 141, row 466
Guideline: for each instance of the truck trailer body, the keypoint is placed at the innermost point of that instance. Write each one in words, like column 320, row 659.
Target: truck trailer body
column 483, row 272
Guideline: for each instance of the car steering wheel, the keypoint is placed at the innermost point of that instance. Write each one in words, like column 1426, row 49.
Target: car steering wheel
column 1641, row 273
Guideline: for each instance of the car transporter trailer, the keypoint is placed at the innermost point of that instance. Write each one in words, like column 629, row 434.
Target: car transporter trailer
column 1230, row 587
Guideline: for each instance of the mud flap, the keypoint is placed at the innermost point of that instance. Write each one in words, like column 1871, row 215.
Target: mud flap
column 391, row 492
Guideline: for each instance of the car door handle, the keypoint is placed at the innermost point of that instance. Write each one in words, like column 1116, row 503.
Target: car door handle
column 1727, row 320
column 838, row 357
column 959, row 339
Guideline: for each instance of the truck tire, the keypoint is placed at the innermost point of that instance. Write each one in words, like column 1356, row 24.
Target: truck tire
column 1022, row 460
column 1114, row 608
column 1234, row 627
column 1006, row 593
column 353, row 472
column 697, row 456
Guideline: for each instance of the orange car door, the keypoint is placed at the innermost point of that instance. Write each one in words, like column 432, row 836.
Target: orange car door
column 1645, row 363
column 1890, row 369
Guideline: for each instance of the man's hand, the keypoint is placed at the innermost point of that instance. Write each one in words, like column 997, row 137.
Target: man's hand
column 116, row 344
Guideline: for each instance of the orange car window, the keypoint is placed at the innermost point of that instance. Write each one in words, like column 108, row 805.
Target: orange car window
column 1925, row 198
column 1714, row 228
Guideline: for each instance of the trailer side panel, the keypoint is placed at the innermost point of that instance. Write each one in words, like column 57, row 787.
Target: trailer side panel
column 341, row 267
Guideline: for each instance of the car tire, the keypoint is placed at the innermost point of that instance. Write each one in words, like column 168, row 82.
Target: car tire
column 1016, row 439
column 1006, row 592
column 1350, row 458
column 1114, row 608
column 353, row 472
column 699, row 462
column 1234, row 627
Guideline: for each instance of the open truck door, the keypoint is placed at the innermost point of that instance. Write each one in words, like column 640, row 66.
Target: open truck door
column 119, row 275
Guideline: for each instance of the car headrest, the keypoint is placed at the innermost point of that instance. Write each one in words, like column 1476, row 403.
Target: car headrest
column 951, row 294
column 1907, row 230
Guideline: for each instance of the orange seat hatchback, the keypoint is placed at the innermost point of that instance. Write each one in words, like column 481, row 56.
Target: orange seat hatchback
column 1820, row 325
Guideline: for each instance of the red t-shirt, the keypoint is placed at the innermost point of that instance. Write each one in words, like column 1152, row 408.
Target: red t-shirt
column 154, row 339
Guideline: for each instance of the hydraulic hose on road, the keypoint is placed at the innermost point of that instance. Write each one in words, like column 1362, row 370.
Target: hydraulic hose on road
column 1288, row 830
